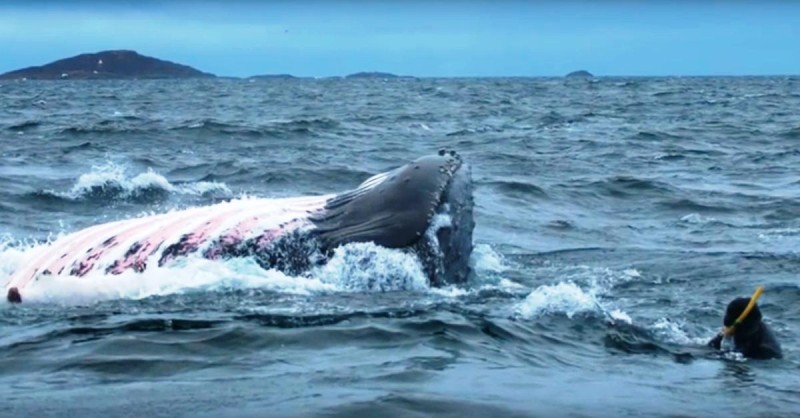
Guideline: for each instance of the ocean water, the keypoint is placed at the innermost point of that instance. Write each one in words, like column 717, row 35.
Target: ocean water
column 616, row 218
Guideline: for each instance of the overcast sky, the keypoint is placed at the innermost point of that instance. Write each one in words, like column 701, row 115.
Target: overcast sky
column 423, row 38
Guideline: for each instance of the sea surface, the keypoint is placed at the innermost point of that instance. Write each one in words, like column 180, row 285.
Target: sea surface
column 616, row 218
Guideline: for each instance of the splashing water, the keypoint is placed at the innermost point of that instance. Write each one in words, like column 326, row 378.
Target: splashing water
column 568, row 297
column 488, row 261
column 368, row 267
column 673, row 331
column 112, row 180
column 565, row 297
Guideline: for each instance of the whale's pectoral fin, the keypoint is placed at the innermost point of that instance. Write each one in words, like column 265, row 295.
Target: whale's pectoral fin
column 392, row 209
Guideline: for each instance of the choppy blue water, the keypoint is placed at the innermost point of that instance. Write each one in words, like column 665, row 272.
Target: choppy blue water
column 615, row 220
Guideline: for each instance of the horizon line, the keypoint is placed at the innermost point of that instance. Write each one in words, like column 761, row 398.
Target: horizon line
column 278, row 74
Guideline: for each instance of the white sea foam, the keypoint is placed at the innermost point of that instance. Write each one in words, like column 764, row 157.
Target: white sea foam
column 486, row 261
column 564, row 297
column 579, row 290
column 368, row 267
column 673, row 331
column 697, row 219
column 113, row 179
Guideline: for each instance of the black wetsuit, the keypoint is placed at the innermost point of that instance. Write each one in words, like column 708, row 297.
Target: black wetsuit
column 758, row 343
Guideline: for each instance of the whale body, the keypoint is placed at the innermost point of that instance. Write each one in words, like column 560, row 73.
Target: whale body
column 395, row 209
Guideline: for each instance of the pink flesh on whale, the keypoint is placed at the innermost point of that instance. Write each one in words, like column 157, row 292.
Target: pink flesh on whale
column 102, row 248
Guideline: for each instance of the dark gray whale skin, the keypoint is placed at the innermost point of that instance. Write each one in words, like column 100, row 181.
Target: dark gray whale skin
column 396, row 209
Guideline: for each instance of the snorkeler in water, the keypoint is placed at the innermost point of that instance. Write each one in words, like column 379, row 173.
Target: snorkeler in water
column 745, row 332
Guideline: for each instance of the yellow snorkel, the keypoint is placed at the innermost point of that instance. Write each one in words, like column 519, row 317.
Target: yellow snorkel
column 728, row 331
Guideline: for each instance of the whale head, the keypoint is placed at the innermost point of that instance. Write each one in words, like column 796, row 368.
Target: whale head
column 425, row 206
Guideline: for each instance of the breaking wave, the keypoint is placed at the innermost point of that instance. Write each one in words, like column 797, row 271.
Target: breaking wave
column 111, row 181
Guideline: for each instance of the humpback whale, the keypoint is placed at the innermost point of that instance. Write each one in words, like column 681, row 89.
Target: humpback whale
column 397, row 209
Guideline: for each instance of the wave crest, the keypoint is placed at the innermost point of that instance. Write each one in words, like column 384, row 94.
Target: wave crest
column 110, row 181
column 580, row 291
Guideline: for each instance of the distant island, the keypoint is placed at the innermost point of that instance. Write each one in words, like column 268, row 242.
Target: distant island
column 273, row 77
column 114, row 64
column 372, row 74
column 579, row 74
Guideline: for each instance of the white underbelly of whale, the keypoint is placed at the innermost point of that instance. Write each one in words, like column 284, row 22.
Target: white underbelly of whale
column 140, row 243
